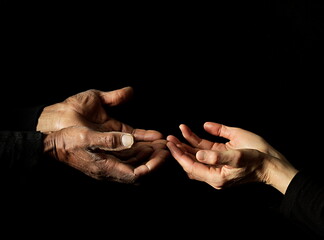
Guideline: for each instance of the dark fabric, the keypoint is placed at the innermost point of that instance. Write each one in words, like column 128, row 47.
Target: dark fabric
column 304, row 202
column 21, row 146
column 20, row 153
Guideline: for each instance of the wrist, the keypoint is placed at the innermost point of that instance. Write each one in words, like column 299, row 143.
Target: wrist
column 279, row 173
column 49, row 144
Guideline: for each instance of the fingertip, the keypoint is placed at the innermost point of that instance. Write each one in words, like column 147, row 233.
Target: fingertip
column 155, row 135
column 147, row 135
column 172, row 138
column 182, row 127
column 128, row 91
column 128, row 88
column 208, row 124
column 169, row 137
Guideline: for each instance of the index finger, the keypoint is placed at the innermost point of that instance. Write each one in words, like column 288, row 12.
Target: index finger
column 193, row 139
column 156, row 160
column 193, row 168
column 184, row 159
column 117, row 96
column 146, row 135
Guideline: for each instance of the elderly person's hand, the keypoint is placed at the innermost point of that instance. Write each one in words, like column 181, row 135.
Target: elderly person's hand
column 88, row 113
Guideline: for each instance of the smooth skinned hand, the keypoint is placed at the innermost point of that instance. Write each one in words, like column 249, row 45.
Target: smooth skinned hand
column 89, row 109
column 108, row 156
column 244, row 157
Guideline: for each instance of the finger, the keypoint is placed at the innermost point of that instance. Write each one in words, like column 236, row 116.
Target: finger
column 183, row 146
column 147, row 135
column 187, row 148
column 218, row 129
column 121, row 172
column 108, row 167
column 194, row 169
column 156, row 160
column 110, row 141
column 141, row 147
column 142, row 153
column 159, row 144
column 183, row 158
column 126, row 153
column 190, row 136
column 116, row 97
column 173, row 139
column 233, row 158
column 193, row 139
column 219, row 158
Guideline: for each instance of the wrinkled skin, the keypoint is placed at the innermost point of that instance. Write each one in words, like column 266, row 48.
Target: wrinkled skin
column 87, row 114
column 93, row 153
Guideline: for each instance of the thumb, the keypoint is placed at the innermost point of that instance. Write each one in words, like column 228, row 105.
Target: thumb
column 112, row 141
column 229, row 157
column 236, row 158
column 118, row 96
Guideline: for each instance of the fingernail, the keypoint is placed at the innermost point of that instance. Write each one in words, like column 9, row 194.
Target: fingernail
column 200, row 155
column 127, row 140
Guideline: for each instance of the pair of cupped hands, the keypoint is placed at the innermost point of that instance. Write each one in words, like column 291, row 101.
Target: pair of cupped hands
column 80, row 132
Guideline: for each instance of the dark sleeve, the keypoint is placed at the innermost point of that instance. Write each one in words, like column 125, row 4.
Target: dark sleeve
column 303, row 202
column 21, row 146
column 20, row 153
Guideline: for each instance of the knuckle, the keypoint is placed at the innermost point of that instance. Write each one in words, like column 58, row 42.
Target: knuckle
column 111, row 141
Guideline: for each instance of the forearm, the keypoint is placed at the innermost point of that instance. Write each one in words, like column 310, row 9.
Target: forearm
column 279, row 173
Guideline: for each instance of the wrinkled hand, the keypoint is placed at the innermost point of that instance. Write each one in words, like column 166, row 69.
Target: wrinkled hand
column 239, row 159
column 87, row 109
column 109, row 156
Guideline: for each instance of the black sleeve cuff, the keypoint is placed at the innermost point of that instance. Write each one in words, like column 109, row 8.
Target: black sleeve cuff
column 20, row 154
column 304, row 202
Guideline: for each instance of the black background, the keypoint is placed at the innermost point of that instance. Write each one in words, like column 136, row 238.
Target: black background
column 255, row 65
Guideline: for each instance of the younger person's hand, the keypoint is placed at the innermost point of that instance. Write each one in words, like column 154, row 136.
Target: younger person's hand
column 244, row 157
